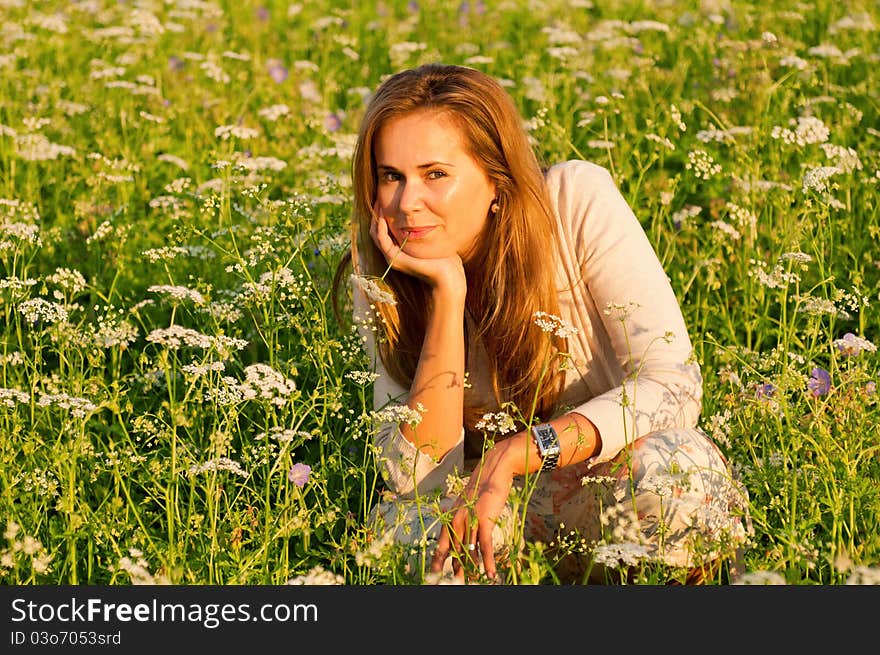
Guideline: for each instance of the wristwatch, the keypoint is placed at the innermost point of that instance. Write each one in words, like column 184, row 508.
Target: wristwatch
column 548, row 445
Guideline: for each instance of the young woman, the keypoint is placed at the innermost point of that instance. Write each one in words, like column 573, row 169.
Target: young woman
column 525, row 337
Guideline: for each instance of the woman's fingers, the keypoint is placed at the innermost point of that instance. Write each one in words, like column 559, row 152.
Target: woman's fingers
column 382, row 237
column 463, row 543
column 487, row 551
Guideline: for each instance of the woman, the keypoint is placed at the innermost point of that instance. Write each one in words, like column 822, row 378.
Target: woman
column 525, row 339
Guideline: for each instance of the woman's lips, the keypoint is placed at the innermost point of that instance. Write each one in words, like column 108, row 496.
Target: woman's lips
column 413, row 233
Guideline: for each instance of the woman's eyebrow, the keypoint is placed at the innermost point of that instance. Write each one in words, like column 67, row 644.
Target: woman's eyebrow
column 430, row 164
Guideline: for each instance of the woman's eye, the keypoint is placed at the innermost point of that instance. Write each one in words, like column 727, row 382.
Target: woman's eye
column 389, row 176
column 436, row 175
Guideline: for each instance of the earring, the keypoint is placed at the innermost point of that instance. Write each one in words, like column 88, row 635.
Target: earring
column 494, row 207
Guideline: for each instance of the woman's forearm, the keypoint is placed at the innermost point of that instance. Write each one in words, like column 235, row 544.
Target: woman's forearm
column 438, row 384
column 578, row 440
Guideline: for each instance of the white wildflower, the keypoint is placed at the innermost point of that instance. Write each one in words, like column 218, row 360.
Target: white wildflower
column 399, row 414
column 807, row 130
column 218, row 464
column 816, row 179
column 554, row 325
column 500, row 422
column 760, row 578
column 370, row 287
column 362, row 377
column 41, row 310
column 623, row 554
column 226, row 132
column 702, row 164
column 178, row 293
column 317, row 576
column 273, row 112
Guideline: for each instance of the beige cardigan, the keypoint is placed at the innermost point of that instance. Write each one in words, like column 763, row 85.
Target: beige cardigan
column 633, row 368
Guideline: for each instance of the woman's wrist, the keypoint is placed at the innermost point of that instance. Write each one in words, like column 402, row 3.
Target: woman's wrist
column 511, row 454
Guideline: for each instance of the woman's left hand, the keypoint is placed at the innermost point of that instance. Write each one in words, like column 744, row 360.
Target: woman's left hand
column 474, row 517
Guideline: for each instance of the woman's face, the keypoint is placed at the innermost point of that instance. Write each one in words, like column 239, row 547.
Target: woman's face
column 432, row 192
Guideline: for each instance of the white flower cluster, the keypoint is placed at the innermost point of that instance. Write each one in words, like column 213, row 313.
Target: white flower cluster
column 807, row 130
column 665, row 483
column 261, row 382
column 808, row 304
column 371, row 289
column 399, row 414
column 267, row 383
column 676, row 118
column 9, row 397
column 620, row 555
column 362, row 377
column 744, row 218
column 10, row 233
column 554, row 325
column 816, row 179
column 17, row 284
column 215, row 72
column 39, row 309
column 702, row 164
column 218, row 464
column 79, row 407
column 137, row 568
column 846, row 159
column 683, row 215
column 725, row 228
column 283, row 435
column 723, row 136
column 762, row 578
column 620, row 311
column 173, row 159
column 200, row 370
column 176, row 336
column 662, row 140
column 797, row 257
column 226, row 132
column 12, row 210
column 273, row 112
column 500, row 422
column 775, row 279
column 36, row 147
column 69, row 280
column 317, row 576
column 256, row 164
column 25, row 545
column 110, row 332
column 178, row 293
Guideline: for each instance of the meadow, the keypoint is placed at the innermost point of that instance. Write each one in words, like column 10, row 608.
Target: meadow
column 178, row 403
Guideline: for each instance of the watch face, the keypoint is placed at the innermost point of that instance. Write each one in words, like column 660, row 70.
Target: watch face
column 545, row 434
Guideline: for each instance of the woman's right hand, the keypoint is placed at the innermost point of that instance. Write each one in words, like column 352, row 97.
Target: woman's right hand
column 443, row 274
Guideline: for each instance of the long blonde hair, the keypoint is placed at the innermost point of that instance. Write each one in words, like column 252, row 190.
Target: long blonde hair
column 516, row 255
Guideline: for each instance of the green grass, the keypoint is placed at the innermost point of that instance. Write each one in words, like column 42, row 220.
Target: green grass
column 130, row 455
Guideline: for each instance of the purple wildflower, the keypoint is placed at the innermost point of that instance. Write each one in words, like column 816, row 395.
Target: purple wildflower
column 850, row 345
column 262, row 13
column 765, row 390
column 871, row 388
column 175, row 63
column 277, row 70
column 819, row 382
column 332, row 122
column 299, row 474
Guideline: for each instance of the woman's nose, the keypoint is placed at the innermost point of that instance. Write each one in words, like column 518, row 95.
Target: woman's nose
column 409, row 197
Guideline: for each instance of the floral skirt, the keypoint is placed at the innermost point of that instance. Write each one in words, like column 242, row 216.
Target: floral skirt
column 669, row 497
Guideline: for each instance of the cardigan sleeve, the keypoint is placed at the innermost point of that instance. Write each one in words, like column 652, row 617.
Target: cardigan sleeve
column 405, row 469
column 645, row 340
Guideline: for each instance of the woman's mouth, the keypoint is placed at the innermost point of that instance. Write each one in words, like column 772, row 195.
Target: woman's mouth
column 413, row 233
